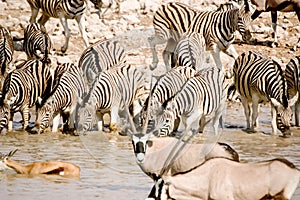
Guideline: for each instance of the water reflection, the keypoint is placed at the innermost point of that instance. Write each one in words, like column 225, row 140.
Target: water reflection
column 108, row 168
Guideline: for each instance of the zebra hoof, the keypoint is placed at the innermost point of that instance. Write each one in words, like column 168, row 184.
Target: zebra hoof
column 249, row 130
column 63, row 49
column 153, row 66
column 114, row 127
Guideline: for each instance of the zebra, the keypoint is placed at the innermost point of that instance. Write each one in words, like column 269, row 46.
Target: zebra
column 166, row 87
column 62, row 9
column 201, row 99
column 37, row 43
column 190, row 51
column 99, row 57
column 173, row 19
column 21, row 90
column 292, row 75
column 6, row 50
column 62, row 100
column 260, row 79
column 112, row 90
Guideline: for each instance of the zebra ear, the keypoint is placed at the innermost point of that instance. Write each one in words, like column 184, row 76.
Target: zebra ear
column 293, row 100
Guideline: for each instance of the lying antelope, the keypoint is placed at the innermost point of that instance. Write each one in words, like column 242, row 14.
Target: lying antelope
column 224, row 179
column 50, row 167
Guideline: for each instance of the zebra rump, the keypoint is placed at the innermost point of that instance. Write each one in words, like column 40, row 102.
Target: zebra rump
column 99, row 57
column 37, row 43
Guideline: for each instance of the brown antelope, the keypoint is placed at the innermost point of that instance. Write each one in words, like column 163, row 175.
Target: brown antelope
column 49, row 167
column 224, row 179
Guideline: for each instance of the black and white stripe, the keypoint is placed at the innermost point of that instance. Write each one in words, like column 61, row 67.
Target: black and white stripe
column 21, row 90
column 6, row 49
column 62, row 9
column 173, row 19
column 201, row 99
column 292, row 75
column 260, row 79
column 109, row 91
column 37, row 43
column 99, row 57
column 62, row 100
column 165, row 88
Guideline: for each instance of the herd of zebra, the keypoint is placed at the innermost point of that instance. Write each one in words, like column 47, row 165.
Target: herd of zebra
column 193, row 90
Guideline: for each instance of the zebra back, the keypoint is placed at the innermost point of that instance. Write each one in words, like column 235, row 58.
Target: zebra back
column 6, row 49
column 292, row 75
column 173, row 19
column 37, row 43
column 99, row 57
column 190, row 51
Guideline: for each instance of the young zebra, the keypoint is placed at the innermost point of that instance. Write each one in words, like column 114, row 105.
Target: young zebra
column 165, row 88
column 62, row 9
column 173, row 19
column 21, row 90
column 292, row 75
column 201, row 99
column 37, row 43
column 107, row 94
column 259, row 79
column 190, row 51
column 6, row 50
column 99, row 57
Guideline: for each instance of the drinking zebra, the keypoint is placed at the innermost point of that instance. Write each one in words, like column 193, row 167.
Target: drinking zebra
column 106, row 94
column 37, row 43
column 165, row 88
column 21, row 89
column 292, row 75
column 62, row 9
column 6, row 50
column 190, row 51
column 201, row 99
column 99, row 57
column 259, row 79
column 62, row 101
column 173, row 19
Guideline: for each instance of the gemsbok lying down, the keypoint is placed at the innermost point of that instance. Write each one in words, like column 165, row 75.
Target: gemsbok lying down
column 224, row 179
column 50, row 167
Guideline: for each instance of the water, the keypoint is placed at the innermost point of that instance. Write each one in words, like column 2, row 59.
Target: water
column 108, row 168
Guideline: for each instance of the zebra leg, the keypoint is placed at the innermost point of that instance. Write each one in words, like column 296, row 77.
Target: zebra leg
column 274, row 26
column 153, row 41
column 34, row 13
column 64, row 23
column 297, row 113
column 43, row 19
column 169, row 50
column 81, row 24
column 247, row 112
column 10, row 121
column 100, row 121
column 216, row 56
column 55, row 123
column 25, row 115
column 274, row 123
column 254, row 122
column 114, row 118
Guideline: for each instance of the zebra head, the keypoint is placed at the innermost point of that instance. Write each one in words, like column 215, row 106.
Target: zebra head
column 167, row 120
column 283, row 116
column 154, row 109
column 45, row 115
column 244, row 19
column 86, row 117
